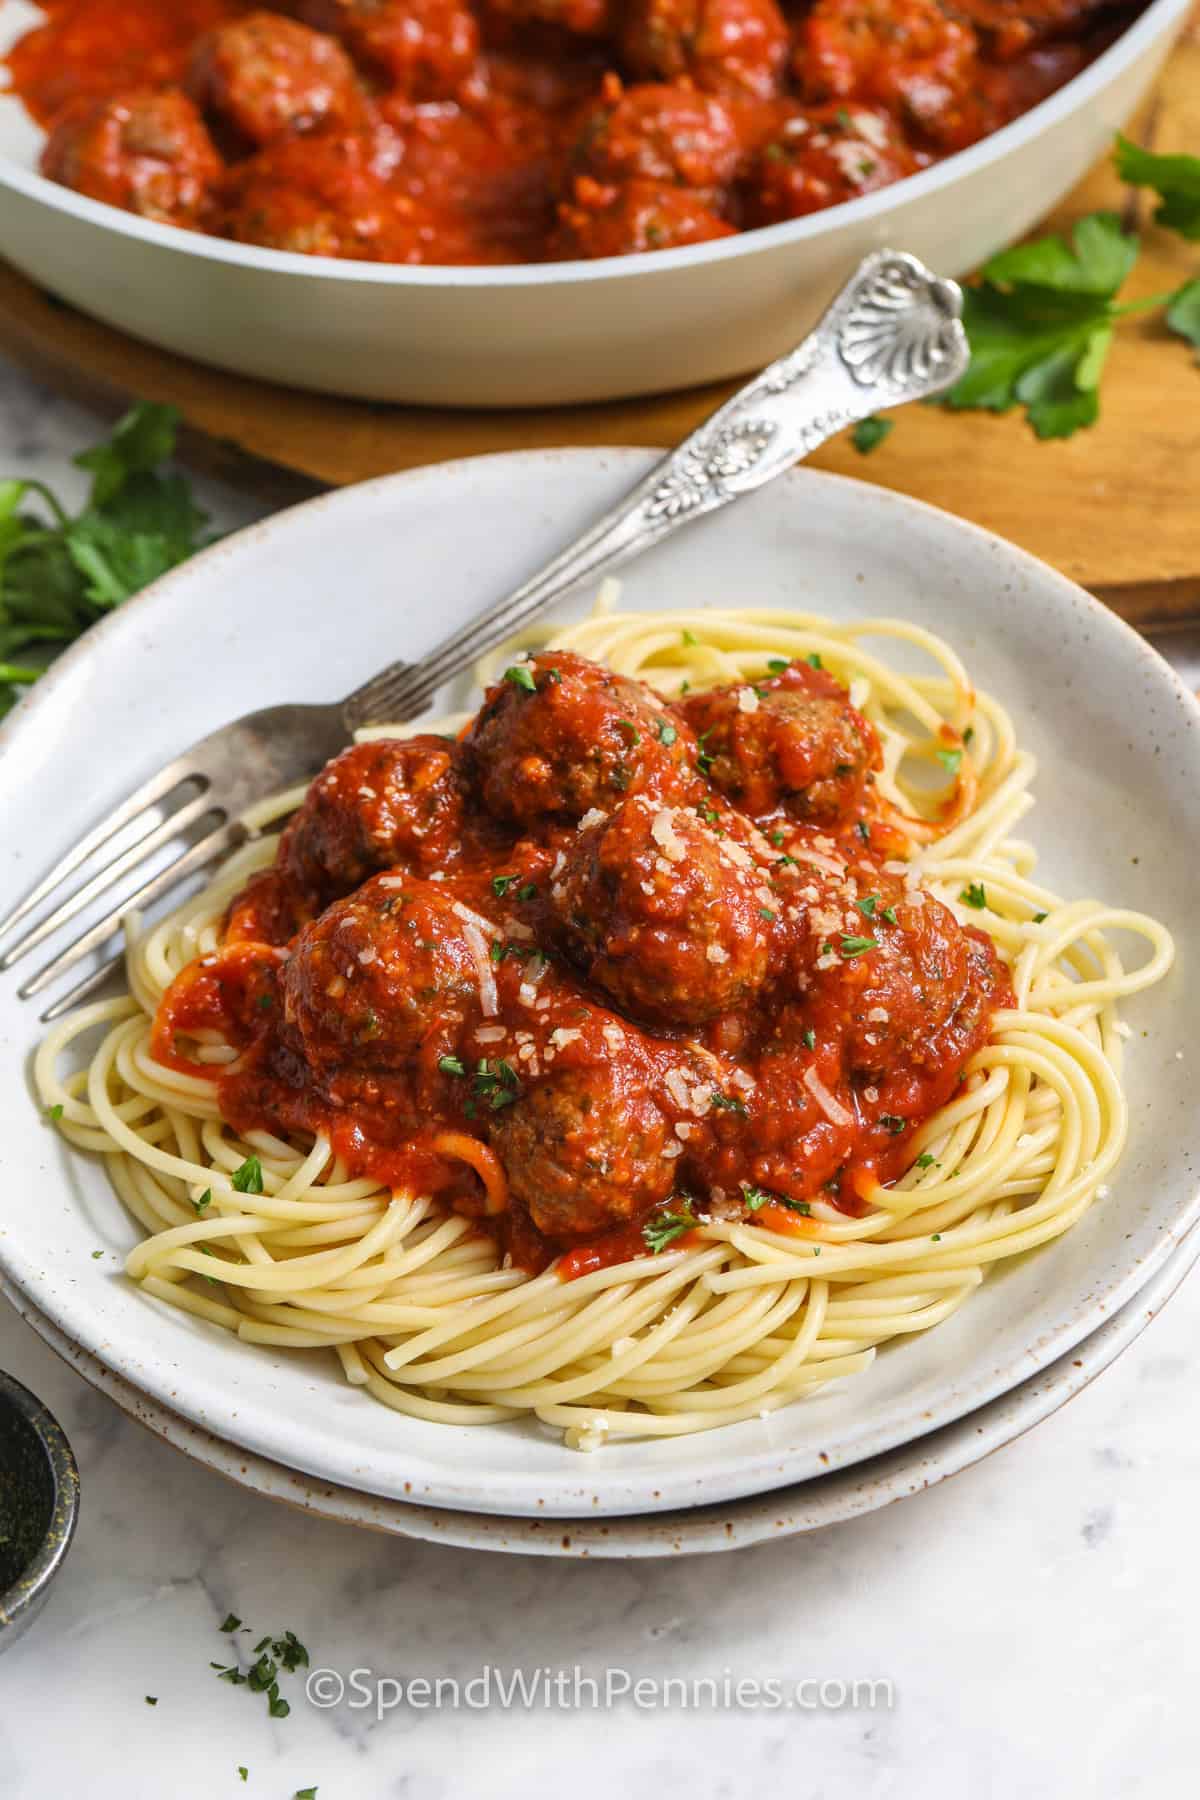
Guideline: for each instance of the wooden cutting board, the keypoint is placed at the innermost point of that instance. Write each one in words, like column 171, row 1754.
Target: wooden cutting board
column 1116, row 508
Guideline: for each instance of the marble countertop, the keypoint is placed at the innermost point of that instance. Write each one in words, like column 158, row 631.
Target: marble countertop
column 1032, row 1618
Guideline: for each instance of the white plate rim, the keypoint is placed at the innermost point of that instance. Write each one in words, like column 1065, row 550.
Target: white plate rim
column 1075, row 95
column 810, row 1506
column 769, row 1471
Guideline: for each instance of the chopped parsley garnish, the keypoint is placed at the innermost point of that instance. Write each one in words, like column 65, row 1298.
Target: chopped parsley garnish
column 704, row 761
column 936, row 1238
column 54, row 1113
column 501, row 885
column 528, row 892
column 204, row 1200
column 813, row 659
column 810, row 1038
column 857, row 946
column 891, row 1123
column 777, row 665
column 635, row 736
column 664, row 1228
column 863, row 830
column 727, row 1102
column 867, row 905
column 451, row 1065
column 496, row 1082
column 690, row 638
column 968, row 734
column 974, row 894
column 667, row 733
column 96, row 1255
column 151, row 1699
column 764, row 912
column 889, row 913
column 248, row 1179
column 708, row 813
column 950, row 759
column 522, row 677
column 243, row 1771
column 1039, row 918
column 777, row 838
column 868, row 434
column 306, row 1793
column 926, row 1160
column 786, row 862
column 755, row 1197
column 231, row 1622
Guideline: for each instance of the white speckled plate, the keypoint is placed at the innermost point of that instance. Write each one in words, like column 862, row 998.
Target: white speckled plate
column 309, row 603
column 703, row 1530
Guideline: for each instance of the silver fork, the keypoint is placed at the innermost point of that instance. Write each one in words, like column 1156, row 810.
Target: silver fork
column 892, row 335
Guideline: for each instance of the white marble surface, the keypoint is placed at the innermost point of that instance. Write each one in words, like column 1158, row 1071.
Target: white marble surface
column 1034, row 1616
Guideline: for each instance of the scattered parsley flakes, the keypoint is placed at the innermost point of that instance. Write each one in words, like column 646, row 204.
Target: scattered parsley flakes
column 889, row 913
column 54, row 1113
column 863, row 830
column 764, row 912
column 968, row 734
column 204, row 1200
column 813, row 659
column 522, row 677
column 501, row 885
column 306, row 1794
column 1040, row 918
column 727, row 1103
column 528, row 892
column 867, row 905
column 496, row 1082
column 936, row 1238
column 689, row 639
column 96, row 1255
column 777, row 665
column 231, row 1622
column 667, row 733
column 244, row 1772
column 249, row 1178
column 664, row 1228
column 974, row 894
column 926, row 1161
column 451, row 1065
column 950, row 759
column 810, row 1039
column 868, row 434
column 891, row 1123
column 755, row 1197
column 857, row 946
column 151, row 1699
column 635, row 736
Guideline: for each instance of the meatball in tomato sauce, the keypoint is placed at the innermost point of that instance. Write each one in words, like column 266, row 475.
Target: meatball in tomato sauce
column 660, row 132
column 424, row 49
column 734, row 47
column 381, row 974
column 264, row 76
column 382, row 805
column 912, row 56
column 146, row 150
column 821, row 156
column 666, row 917
column 603, row 220
column 584, row 1150
column 559, row 736
column 794, row 742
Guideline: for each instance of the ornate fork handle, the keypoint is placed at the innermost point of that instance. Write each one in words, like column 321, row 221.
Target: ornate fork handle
column 893, row 334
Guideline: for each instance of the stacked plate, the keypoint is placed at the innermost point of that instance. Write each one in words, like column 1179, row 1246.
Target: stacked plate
column 311, row 603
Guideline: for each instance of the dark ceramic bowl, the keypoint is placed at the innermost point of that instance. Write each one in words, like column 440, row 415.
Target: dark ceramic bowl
column 39, row 1505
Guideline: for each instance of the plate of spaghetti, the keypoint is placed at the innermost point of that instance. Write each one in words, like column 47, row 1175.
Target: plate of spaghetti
column 675, row 1049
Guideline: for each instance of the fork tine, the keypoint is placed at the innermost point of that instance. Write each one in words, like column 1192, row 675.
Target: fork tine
column 129, row 859
column 217, row 843
column 83, row 988
column 156, row 788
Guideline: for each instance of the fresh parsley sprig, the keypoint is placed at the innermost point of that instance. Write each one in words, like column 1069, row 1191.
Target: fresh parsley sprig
column 1175, row 179
column 60, row 572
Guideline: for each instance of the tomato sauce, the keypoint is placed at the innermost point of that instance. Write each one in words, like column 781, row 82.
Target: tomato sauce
column 565, row 976
column 510, row 131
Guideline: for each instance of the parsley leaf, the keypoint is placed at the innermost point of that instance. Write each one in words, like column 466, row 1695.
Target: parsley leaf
column 974, row 894
column 857, row 946
column 1175, row 179
column 868, row 434
column 521, row 677
column 927, row 1160
column 664, row 1228
column 1183, row 314
column 59, row 573
column 248, row 1179
column 667, row 733
column 1040, row 324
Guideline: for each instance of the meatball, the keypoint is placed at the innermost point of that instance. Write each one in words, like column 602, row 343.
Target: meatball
column 821, row 156
column 909, row 55
column 666, row 917
column 793, row 742
column 381, row 973
column 1009, row 28
column 638, row 216
column 660, row 132
column 376, row 806
column 264, row 76
column 560, row 735
column 425, row 49
column 733, row 47
column 583, row 1150
column 145, row 150
column 328, row 195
